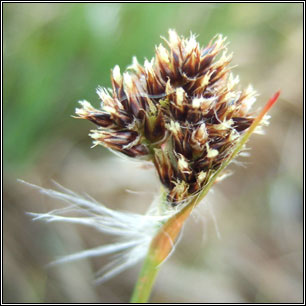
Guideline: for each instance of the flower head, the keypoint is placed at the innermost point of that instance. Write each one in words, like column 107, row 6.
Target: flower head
column 182, row 110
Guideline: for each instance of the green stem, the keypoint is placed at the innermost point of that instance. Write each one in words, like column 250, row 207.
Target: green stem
column 145, row 280
column 159, row 250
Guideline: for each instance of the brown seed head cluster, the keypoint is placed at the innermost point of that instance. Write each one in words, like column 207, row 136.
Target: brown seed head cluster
column 181, row 110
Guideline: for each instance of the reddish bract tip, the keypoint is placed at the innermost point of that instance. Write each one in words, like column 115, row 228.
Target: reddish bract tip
column 268, row 105
column 272, row 100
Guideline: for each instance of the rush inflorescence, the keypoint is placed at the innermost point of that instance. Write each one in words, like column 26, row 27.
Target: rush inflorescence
column 183, row 110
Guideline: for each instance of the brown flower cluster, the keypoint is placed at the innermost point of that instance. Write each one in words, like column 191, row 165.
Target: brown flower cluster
column 181, row 110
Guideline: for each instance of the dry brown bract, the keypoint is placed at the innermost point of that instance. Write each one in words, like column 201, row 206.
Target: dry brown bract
column 181, row 110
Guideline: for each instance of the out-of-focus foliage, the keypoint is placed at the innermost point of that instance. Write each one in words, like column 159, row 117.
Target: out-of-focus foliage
column 56, row 54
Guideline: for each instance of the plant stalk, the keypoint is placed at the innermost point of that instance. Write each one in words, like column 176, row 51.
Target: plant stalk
column 159, row 250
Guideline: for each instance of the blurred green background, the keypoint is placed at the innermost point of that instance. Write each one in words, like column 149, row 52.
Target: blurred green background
column 57, row 54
